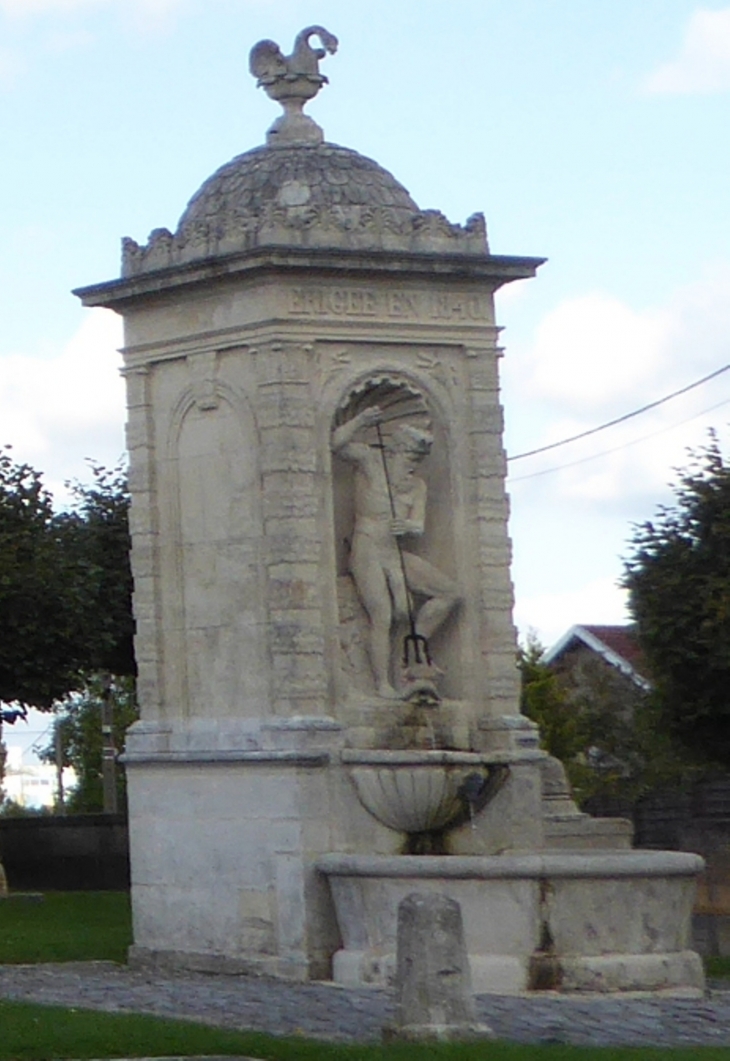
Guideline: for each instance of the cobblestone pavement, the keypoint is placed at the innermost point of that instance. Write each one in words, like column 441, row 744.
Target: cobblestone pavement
column 326, row 1011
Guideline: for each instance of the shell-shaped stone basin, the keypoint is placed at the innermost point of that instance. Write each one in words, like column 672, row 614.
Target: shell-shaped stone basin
column 419, row 791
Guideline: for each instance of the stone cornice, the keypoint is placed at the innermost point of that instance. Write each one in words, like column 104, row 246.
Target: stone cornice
column 493, row 270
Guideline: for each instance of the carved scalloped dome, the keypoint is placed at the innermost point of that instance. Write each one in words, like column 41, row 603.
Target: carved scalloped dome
column 308, row 196
column 307, row 179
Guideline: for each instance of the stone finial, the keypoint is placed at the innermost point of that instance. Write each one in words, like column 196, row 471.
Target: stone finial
column 292, row 80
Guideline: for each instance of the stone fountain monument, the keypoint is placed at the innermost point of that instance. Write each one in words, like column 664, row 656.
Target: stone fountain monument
column 327, row 678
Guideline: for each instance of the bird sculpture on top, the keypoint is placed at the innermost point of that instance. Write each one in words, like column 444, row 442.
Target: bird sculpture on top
column 291, row 80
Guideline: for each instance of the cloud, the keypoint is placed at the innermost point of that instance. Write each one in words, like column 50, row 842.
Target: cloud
column 703, row 63
column 595, row 359
column 58, row 411
column 590, row 350
column 551, row 614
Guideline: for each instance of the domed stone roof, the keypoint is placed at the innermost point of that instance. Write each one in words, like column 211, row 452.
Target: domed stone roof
column 298, row 191
column 310, row 180
column 307, row 196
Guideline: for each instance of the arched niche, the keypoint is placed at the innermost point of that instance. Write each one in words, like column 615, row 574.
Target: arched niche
column 403, row 400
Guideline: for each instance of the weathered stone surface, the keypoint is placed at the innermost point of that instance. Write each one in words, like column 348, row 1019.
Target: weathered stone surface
column 292, row 80
column 302, row 196
column 433, row 982
column 595, row 921
column 566, row 826
column 304, row 288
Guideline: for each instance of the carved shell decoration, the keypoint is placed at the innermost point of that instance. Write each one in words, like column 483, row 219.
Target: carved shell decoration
column 397, row 400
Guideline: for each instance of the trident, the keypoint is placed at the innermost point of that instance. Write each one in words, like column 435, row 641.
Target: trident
column 413, row 641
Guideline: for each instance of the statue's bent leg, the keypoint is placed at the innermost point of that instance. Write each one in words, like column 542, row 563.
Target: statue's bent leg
column 441, row 591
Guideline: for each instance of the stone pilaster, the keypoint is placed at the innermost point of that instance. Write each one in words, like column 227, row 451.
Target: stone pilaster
column 490, row 505
column 144, row 531
column 291, row 509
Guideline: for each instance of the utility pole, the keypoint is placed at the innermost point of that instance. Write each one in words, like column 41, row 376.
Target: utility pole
column 108, row 750
column 58, row 748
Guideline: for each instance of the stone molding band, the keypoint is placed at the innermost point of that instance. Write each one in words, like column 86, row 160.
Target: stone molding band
column 224, row 757
column 537, row 867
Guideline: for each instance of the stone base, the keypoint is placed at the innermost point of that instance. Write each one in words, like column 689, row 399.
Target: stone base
column 436, row 1033
column 497, row 974
column 681, row 971
column 567, row 921
column 270, row 967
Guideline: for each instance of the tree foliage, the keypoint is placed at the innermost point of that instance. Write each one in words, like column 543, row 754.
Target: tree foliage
column 99, row 533
column 80, row 723
column 600, row 725
column 42, row 589
column 65, row 584
column 678, row 577
column 544, row 699
column 3, row 760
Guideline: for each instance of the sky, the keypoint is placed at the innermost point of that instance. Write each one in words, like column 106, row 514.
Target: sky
column 592, row 133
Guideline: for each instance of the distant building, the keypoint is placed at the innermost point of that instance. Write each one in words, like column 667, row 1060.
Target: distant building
column 32, row 784
column 615, row 646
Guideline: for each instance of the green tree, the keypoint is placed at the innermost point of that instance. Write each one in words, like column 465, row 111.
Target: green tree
column 601, row 726
column 43, row 592
column 82, row 740
column 65, row 584
column 544, row 700
column 65, row 589
column 678, row 577
column 97, row 533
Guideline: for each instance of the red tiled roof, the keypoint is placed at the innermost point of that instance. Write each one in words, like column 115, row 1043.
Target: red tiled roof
column 622, row 641
column 617, row 644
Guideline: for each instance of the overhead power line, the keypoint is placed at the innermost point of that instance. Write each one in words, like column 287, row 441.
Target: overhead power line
column 621, row 419
column 616, row 449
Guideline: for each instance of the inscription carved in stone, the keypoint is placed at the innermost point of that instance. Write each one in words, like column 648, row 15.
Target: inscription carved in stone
column 393, row 305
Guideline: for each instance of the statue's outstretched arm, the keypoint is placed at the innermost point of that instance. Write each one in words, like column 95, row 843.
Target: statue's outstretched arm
column 343, row 437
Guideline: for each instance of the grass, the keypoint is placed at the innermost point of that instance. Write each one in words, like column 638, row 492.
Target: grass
column 41, row 1033
column 87, row 926
column 718, row 968
column 65, row 927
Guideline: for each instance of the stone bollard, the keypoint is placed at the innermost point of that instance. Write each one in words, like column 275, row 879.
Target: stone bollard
column 3, row 883
column 433, row 980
